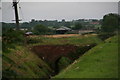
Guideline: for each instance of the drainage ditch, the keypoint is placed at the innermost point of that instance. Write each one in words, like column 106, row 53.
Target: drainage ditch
column 59, row 57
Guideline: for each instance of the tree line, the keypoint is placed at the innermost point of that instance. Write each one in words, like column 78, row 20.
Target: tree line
column 109, row 25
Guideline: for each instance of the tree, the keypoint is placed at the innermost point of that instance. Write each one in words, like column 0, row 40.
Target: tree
column 77, row 26
column 67, row 24
column 33, row 20
column 63, row 20
column 110, row 22
column 41, row 29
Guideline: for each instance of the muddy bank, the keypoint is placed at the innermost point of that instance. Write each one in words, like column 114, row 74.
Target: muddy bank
column 60, row 56
column 53, row 52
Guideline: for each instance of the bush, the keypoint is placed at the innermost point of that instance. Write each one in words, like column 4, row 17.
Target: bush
column 33, row 40
column 104, row 36
column 41, row 30
column 11, row 37
column 81, row 50
column 110, row 22
column 62, row 63
column 77, row 26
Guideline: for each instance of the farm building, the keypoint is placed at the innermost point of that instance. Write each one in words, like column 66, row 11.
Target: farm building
column 86, row 31
column 28, row 33
column 62, row 30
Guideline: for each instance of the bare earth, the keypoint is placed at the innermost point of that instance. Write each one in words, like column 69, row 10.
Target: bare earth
column 56, row 36
column 60, row 35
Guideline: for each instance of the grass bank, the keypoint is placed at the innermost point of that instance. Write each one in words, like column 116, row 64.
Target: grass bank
column 22, row 63
column 99, row 62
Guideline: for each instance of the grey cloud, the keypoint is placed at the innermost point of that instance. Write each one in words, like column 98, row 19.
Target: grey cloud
column 59, row 10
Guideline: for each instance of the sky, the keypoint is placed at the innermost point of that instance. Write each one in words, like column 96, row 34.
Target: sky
column 58, row 10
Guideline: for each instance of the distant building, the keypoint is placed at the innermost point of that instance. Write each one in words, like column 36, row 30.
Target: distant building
column 62, row 30
column 22, row 29
column 28, row 33
column 86, row 31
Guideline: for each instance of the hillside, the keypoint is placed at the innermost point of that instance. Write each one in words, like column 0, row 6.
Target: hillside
column 22, row 63
column 99, row 62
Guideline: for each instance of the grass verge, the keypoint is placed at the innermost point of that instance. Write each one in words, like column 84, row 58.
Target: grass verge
column 99, row 62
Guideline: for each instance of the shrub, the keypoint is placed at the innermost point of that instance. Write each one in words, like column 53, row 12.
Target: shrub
column 81, row 50
column 62, row 63
column 41, row 30
column 104, row 36
column 11, row 37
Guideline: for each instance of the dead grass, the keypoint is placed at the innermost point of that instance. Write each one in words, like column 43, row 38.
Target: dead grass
column 56, row 36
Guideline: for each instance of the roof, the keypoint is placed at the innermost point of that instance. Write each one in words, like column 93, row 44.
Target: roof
column 63, row 28
column 28, row 33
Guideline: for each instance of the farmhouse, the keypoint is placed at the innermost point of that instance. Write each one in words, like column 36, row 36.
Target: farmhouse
column 62, row 30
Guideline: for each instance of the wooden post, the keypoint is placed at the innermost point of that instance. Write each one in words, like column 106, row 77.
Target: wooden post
column 16, row 14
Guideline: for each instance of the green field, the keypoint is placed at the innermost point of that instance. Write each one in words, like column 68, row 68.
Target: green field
column 99, row 62
column 74, row 40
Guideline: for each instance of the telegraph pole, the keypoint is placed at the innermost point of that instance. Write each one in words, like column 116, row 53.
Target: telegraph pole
column 16, row 14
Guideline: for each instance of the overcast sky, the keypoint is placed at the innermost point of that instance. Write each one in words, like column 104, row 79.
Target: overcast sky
column 58, row 10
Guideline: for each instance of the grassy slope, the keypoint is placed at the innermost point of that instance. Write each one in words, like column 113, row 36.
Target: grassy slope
column 99, row 62
column 24, row 64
